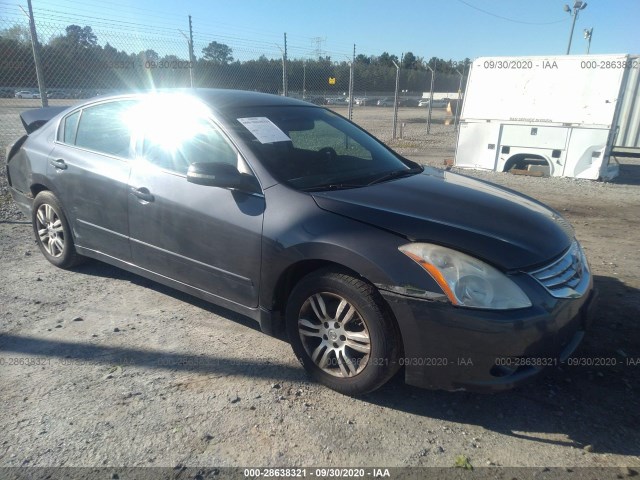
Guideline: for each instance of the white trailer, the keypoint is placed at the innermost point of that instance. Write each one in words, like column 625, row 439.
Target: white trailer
column 566, row 116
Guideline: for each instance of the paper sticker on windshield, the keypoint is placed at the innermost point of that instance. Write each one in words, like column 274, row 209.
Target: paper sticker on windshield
column 264, row 129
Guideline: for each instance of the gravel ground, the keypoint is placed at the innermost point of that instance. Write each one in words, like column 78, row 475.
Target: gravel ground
column 100, row 367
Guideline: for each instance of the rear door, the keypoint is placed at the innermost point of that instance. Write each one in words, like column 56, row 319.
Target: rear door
column 89, row 168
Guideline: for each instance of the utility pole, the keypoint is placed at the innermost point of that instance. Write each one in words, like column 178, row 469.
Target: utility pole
column 36, row 57
column 577, row 6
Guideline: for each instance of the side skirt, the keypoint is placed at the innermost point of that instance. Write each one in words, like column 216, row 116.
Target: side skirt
column 268, row 323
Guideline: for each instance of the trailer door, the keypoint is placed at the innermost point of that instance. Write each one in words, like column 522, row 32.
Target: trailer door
column 477, row 144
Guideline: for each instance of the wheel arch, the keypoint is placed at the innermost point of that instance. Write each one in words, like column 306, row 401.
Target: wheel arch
column 520, row 159
column 295, row 272
column 36, row 188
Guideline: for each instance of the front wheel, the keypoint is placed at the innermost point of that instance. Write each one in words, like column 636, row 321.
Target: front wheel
column 52, row 231
column 341, row 333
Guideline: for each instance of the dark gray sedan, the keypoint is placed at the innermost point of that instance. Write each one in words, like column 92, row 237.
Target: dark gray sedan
column 292, row 215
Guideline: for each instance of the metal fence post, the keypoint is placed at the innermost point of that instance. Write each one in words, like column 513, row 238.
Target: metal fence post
column 433, row 73
column 36, row 57
column 285, row 83
column 192, row 59
column 189, row 40
column 351, row 80
column 455, row 123
column 395, row 101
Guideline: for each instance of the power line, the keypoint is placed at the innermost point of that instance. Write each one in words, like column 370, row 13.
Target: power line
column 51, row 14
column 49, row 18
column 507, row 18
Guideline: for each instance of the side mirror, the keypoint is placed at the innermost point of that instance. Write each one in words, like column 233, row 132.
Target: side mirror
column 214, row 174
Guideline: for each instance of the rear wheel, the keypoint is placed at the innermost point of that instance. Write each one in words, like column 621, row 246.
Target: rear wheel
column 340, row 331
column 52, row 231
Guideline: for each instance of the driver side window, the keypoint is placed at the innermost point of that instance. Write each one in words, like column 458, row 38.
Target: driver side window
column 176, row 147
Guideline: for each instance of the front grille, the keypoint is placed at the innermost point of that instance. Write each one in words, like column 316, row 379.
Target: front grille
column 567, row 277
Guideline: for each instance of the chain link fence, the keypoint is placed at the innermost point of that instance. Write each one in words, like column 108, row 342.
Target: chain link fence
column 79, row 62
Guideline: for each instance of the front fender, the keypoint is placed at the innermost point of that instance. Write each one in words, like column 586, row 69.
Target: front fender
column 296, row 230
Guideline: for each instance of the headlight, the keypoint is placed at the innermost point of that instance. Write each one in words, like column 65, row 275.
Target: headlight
column 467, row 281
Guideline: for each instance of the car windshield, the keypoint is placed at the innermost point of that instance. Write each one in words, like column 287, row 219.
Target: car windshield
column 312, row 148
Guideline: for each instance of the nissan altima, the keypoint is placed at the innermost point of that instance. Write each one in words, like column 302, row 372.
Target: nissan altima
column 286, row 212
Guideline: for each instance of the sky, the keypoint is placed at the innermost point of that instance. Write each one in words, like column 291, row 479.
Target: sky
column 449, row 29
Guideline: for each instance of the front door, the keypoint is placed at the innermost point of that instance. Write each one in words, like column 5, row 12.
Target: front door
column 205, row 237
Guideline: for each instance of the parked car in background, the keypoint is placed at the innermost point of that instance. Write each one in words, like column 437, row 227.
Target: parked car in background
column 362, row 101
column 27, row 94
column 335, row 101
column 7, row 93
column 290, row 214
column 437, row 103
column 316, row 100
column 58, row 94
column 385, row 102
column 86, row 93
column 408, row 102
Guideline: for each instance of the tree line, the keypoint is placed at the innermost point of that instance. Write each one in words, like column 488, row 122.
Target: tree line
column 75, row 60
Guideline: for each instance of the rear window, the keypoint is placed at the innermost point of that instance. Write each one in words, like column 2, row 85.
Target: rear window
column 69, row 128
column 101, row 128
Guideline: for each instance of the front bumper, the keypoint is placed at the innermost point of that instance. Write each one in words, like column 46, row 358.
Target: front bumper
column 453, row 348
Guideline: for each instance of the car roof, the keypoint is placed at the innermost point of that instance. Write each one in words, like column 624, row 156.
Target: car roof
column 224, row 99
column 218, row 99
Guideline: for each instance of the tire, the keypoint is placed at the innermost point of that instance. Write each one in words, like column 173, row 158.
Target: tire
column 52, row 232
column 340, row 332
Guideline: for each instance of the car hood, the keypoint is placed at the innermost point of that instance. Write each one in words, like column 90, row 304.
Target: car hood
column 498, row 225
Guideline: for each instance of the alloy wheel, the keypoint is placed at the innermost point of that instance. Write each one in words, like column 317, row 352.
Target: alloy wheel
column 50, row 230
column 334, row 334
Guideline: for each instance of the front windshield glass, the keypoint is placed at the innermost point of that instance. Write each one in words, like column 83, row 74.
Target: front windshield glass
column 313, row 149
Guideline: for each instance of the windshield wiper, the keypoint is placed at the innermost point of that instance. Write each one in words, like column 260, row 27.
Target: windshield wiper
column 334, row 186
column 396, row 174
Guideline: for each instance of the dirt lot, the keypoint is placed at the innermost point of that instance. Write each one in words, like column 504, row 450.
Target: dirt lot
column 100, row 367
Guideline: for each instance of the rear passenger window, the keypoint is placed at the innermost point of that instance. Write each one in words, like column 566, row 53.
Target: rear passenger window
column 103, row 128
column 69, row 128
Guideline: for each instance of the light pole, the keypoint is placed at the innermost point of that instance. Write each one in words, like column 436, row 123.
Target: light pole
column 588, row 33
column 577, row 6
